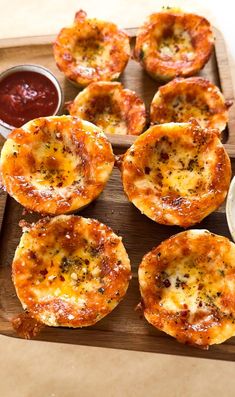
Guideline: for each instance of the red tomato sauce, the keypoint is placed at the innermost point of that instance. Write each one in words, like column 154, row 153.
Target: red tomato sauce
column 26, row 95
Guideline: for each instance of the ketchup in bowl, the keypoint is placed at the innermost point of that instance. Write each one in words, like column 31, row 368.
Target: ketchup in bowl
column 25, row 95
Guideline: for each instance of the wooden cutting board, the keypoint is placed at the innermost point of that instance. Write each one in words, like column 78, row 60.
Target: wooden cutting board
column 124, row 328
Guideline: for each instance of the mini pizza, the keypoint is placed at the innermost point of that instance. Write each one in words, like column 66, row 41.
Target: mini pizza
column 111, row 107
column 172, row 43
column 187, row 286
column 182, row 99
column 70, row 271
column 91, row 50
column 54, row 165
column 176, row 173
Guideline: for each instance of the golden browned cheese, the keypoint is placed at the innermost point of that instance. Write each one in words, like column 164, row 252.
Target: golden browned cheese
column 182, row 99
column 57, row 164
column 187, row 286
column 176, row 173
column 172, row 43
column 116, row 110
column 91, row 50
column 70, row 271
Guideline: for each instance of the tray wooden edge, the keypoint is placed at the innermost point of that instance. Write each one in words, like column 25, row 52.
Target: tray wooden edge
column 125, row 340
column 44, row 39
column 133, row 342
column 226, row 83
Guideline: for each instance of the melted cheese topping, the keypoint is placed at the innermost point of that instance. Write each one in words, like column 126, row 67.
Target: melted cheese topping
column 111, row 107
column 91, row 53
column 70, row 271
column 56, row 164
column 187, row 284
column 91, row 50
column 177, row 45
column 176, row 174
column 172, row 43
column 182, row 99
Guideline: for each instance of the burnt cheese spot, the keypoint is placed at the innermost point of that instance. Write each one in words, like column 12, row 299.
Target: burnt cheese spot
column 147, row 170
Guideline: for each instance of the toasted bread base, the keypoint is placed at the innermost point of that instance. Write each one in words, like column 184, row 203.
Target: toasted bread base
column 176, row 173
column 116, row 110
column 194, row 97
column 70, row 271
column 174, row 44
column 55, row 165
column 187, row 287
column 91, row 50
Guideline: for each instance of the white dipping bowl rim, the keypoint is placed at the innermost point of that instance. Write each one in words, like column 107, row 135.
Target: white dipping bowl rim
column 230, row 208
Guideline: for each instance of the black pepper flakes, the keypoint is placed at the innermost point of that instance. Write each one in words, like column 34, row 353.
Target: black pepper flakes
column 166, row 283
column 43, row 272
column 147, row 170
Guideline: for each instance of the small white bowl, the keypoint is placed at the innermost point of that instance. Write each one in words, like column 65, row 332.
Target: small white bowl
column 5, row 128
column 230, row 208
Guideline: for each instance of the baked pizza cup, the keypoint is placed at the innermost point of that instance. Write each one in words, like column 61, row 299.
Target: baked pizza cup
column 172, row 43
column 182, row 99
column 116, row 110
column 54, row 165
column 187, row 286
column 70, row 271
column 176, row 173
column 91, row 50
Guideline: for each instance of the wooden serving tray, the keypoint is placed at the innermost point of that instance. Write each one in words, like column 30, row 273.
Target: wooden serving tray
column 124, row 328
